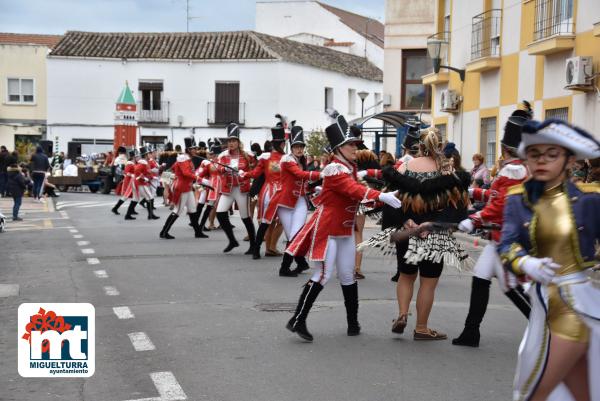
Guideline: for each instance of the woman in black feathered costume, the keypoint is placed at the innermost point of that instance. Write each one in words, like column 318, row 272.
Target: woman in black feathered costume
column 430, row 191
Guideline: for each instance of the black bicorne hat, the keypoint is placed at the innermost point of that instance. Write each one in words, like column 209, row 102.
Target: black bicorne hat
column 278, row 134
column 233, row 131
column 411, row 140
column 297, row 136
column 131, row 153
column 202, row 145
column 190, row 142
column 339, row 133
column 514, row 126
column 169, row 147
column 121, row 150
column 144, row 151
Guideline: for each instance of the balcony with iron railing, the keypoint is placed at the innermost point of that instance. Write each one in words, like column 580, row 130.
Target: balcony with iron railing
column 443, row 38
column 223, row 113
column 156, row 113
column 485, row 41
column 554, row 27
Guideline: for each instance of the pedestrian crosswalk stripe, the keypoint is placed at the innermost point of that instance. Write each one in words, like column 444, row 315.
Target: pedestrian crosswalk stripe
column 141, row 341
column 81, row 205
column 167, row 386
column 101, row 273
column 111, row 291
column 123, row 312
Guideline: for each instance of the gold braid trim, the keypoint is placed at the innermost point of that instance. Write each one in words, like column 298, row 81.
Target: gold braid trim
column 512, row 258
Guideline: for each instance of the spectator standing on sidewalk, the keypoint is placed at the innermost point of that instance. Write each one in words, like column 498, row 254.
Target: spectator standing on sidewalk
column 4, row 155
column 39, row 166
column 17, row 182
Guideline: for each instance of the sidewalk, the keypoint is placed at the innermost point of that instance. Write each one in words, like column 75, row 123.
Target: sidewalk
column 36, row 215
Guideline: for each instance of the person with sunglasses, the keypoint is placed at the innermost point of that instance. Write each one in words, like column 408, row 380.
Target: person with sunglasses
column 550, row 231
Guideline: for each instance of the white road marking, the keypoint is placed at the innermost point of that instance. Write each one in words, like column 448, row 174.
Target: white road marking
column 77, row 236
column 93, row 261
column 87, row 251
column 141, row 342
column 73, row 230
column 167, row 386
column 111, row 291
column 9, row 290
column 83, row 243
column 101, row 273
column 123, row 312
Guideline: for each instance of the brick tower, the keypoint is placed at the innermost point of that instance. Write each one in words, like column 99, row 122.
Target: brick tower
column 125, row 120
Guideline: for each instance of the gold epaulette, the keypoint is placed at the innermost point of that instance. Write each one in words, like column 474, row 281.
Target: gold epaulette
column 516, row 190
column 588, row 187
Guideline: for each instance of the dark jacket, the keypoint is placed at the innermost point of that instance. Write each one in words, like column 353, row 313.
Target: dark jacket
column 16, row 181
column 518, row 214
column 39, row 162
column 4, row 156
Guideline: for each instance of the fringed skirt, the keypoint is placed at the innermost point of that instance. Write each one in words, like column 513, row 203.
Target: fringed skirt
column 438, row 246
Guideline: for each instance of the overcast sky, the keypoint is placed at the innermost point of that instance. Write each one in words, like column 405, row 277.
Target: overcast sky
column 58, row 16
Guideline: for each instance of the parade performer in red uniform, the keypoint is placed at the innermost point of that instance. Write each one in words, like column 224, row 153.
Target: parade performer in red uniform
column 290, row 202
column 328, row 237
column 209, row 176
column 267, row 164
column 118, row 170
column 142, row 182
column 235, row 188
column 183, row 192
column 127, row 188
column 512, row 172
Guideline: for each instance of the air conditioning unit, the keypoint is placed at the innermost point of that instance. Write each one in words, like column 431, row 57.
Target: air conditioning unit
column 449, row 101
column 579, row 72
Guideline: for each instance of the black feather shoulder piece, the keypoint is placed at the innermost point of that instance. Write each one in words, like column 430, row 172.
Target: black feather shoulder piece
column 429, row 194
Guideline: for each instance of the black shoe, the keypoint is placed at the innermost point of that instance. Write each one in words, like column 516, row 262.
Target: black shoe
column 223, row 218
column 286, row 272
column 300, row 329
column 469, row 338
column 301, row 263
column 231, row 245
column 164, row 233
column 151, row 215
column 297, row 324
column 395, row 277
column 251, row 235
column 351, row 302
column 115, row 209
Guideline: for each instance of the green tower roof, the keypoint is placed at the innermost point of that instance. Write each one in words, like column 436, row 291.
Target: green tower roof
column 126, row 97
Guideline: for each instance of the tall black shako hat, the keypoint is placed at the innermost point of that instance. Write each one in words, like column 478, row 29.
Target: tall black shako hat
column 278, row 134
column 233, row 131
column 190, row 143
column 169, row 147
column 357, row 132
column 121, row 150
column 297, row 136
column 214, row 146
column 144, row 150
column 411, row 140
column 514, row 126
column 339, row 134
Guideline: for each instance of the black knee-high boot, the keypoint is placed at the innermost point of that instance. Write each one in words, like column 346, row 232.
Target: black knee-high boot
column 150, row 206
column 223, row 218
column 480, row 296
column 286, row 262
column 131, row 211
column 164, row 233
column 301, row 264
column 251, row 235
column 520, row 299
column 194, row 217
column 351, row 303
column 297, row 324
column 115, row 209
column 260, row 236
column 205, row 217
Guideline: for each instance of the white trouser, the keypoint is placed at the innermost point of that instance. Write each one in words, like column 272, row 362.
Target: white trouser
column 236, row 195
column 292, row 220
column 340, row 255
column 142, row 192
column 187, row 200
column 202, row 197
column 489, row 265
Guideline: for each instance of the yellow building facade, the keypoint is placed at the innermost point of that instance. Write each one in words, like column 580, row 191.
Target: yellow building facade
column 23, row 88
column 514, row 50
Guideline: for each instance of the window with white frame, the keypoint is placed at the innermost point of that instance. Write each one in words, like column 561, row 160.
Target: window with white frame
column 351, row 101
column 20, row 90
column 328, row 98
column 488, row 140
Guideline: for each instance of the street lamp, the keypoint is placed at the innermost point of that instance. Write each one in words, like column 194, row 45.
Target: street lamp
column 438, row 49
column 362, row 96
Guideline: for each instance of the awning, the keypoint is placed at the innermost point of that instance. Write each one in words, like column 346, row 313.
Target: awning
column 394, row 118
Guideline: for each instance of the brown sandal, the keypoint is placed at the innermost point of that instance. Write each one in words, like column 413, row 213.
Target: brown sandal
column 399, row 324
column 430, row 335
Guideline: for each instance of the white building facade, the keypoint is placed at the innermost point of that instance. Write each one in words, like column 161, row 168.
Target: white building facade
column 199, row 94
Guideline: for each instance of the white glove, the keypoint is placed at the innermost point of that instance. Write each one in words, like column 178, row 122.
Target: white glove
column 471, row 190
column 466, row 226
column 391, row 199
column 241, row 173
column 542, row 270
column 318, row 190
column 362, row 173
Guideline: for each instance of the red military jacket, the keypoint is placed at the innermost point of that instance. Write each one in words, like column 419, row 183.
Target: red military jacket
column 229, row 178
column 208, row 170
column 124, row 187
column 513, row 172
column 184, row 176
column 293, row 184
column 268, row 164
column 142, row 173
column 336, row 210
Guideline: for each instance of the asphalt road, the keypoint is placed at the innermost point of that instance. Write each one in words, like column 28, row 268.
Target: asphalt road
column 210, row 326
